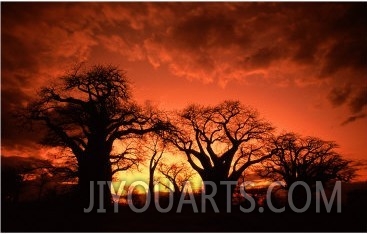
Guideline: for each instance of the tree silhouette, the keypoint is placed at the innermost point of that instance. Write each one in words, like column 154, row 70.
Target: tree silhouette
column 221, row 141
column 127, row 158
column 12, row 183
column 17, row 171
column 43, row 179
column 87, row 112
column 307, row 159
column 177, row 174
column 154, row 148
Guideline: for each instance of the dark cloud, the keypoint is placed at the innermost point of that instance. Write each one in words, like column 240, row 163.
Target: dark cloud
column 17, row 55
column 14, row 135
column 339, row 95
column 346, row 53
column 281, row 43
column 360, row 163
column 205, row 31
column 247, row 37
column 355, row 98
column 263, row 57
column 359, row 101
column 307, row 33
column 353, row 118
column 38, row 40
column 23, row 163
column 336, row 28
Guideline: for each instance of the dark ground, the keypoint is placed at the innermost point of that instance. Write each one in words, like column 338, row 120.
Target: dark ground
column 59, row 217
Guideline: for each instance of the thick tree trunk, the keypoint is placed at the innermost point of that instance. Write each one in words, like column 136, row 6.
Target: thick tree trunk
column 151, row 187
column 223, row 197
column 224, row 190
column 95, row 167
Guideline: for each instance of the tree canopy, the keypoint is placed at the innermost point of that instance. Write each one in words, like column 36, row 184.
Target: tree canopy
column 307, row 159
column 87, row 111
column 91, row 108
column 221, row 141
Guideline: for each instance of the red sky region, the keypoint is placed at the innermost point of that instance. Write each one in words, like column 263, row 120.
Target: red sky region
column 302, row 65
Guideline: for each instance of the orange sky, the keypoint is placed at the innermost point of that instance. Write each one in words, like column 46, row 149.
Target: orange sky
column 302, row 65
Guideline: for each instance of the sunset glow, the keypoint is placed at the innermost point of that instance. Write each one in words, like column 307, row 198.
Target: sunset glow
column 302, row 66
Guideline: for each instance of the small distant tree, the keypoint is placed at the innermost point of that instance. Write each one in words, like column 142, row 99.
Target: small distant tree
column 153, row 147
column 307, row 159
column 87, row 111
column 43, row 179
column 177, row 174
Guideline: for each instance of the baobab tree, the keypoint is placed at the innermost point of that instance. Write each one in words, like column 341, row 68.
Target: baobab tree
column 221, row 142
column 307, row 159
column 87, row 111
